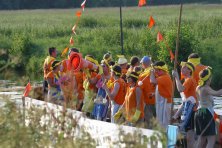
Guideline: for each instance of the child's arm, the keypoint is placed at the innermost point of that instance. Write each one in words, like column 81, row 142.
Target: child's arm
column 179, row 85
column 112, row 94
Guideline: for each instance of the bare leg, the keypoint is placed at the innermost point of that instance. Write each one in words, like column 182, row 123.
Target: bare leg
column 210, row 141
column 201, row 143
column 191, row 139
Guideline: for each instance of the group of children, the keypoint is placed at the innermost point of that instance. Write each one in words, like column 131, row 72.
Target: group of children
column 133, row 94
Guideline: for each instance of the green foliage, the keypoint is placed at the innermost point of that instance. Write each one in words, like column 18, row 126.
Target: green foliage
column 211, row 57
column 26, row 37
column 187, row 45
column 33, row 67
column 23, row 54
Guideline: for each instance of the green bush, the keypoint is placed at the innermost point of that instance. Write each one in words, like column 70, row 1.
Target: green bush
column 187, row 45
column 211, row 51
column 34, row 67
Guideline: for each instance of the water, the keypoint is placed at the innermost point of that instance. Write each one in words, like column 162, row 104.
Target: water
column 217, row 104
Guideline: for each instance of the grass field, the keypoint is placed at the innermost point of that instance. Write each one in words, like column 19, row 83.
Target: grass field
column 25, row 35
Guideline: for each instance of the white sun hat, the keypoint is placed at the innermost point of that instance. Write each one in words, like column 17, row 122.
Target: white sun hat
column 121, row 60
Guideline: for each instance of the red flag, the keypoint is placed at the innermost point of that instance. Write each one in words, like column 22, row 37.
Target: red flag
column 142, row 3
column 65, row 51
column 27, row 90
column 216, row 116
column 83, row 5
column 220, row 132
column 78, row 13
column 152, row 22
column 74, row 28
column 71, row 41
column 159, row 37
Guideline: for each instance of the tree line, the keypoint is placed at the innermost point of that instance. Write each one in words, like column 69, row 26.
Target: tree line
column 44, row 4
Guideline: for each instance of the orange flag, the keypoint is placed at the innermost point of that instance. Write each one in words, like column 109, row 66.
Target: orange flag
column 78, row 13
column 152, row 22
column 65, row 51
column 171, row 56
column 71, row 41
column 74, row 28
column 159, row 37
column 27, row 90
column 83, row 5
column 142, row 3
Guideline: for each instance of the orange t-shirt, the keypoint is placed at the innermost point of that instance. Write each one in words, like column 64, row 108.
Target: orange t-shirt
column 197, row 70
column 165, row 87
column 47, row 65
column 51, row 76
column 120, row 97
column 190, row 87
column 65, row 66
column 94, row 75
column 130, row 103
column 79, row 80
column 148, row 89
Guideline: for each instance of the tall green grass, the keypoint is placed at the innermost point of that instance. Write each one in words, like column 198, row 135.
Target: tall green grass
column 31, row 32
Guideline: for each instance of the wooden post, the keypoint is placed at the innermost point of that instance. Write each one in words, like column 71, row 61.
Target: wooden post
column 178, row 38
column 121, row 27
column 176, row 53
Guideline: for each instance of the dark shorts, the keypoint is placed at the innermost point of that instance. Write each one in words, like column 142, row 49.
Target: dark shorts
column 201, row 123
column 188, row 122
column 45, row 87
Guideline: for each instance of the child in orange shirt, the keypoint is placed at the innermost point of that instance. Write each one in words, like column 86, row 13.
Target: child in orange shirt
column 148, row 90
column 188, row 94
column 47, row 67
column 53, row 79
column 195, row 60
column 90, row 77
column 133, row 107
column 163, row 93
column 122, row 62
column 117, row 95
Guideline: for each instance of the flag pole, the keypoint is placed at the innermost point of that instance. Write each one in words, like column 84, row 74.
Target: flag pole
column 176, row 52
column 121, row 27
column 178, row 37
